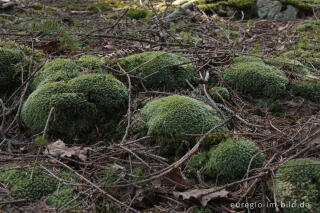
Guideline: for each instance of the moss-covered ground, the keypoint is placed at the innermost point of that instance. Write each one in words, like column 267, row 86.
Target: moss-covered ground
column 110, row 106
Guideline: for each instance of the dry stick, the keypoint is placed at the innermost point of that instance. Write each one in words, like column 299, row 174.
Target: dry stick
column 135, row 155
column 177, row 163
column 19, row 108
column 301, row 142
column 135, row 141
column 60, row 179
column 129, row 105
column 214, row 104
column 119, row 19
column 93, row 185
column 238, row 117
column 47, row 123
column 43, row 135
column 3, row 115
column 14, row 202
column 274, row 190
column 256, row 180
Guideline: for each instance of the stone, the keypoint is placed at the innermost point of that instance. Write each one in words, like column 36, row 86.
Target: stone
column 272, row 9
column 268, row 8
column 290, row 13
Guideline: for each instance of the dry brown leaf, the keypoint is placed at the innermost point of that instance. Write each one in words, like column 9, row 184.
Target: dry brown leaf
column 201, row 195
column 51, row 46
column 59, row 149
column 177, row 179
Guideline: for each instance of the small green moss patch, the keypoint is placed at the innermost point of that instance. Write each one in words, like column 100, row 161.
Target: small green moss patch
column 308, row 90
column 39, row 186
column 164, row 70
column 169, row 119
column 229, row 160
column 298, row 181
column 257, row 79
column 137, row 13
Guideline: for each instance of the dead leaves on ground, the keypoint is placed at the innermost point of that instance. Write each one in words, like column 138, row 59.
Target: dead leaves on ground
column 201, row 195
column 59, row 149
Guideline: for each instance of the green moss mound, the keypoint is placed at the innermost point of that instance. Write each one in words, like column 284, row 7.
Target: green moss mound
column 308, row 90
column 289, row 64
column 222, row 91
column 37, row 57
column 9, row 74
column 245, row 59
column 304, row 6
column 41, row 185
column 73, row 113
column 229, row 160
column 248, row 6
column 78, row 104
column 57, row 70
column 136, row 13
column 308, row 25
column 298, row 181
column 169, row 118
column 105, row 91
column 257, row 79
column 304, row 56
column 15, row 58
column 90, row 62
column 166, row 71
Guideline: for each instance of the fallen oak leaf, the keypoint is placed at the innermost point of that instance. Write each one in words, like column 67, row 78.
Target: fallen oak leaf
column 81, row 152
column 51, row 46
column 59, row 149
column 201, row 195
column 177, row 179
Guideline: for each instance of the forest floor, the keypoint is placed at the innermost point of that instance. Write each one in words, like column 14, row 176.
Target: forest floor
column 141, row 180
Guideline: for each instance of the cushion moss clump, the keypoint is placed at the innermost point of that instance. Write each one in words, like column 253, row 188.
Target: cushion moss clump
column 308, row 90
column 56, row 70
column 257, row 79
column 166, row 71
column 105, row 91
column 245, row 59
column 306, row 57
column 229, row 160
column 169, row 118
column 41, row 185
column 303, row 6
column 78, row 104
column 308, row 25
column 137, row 13
column 298, row 182
column 222, row 91
column 9, row 72
column 27, row 52
column 90, row 62
column 248, row 6
column 73, row 113
column 289, row 64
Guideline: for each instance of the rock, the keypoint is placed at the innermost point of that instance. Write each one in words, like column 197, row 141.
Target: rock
column 183, row 10
column 271, row 9
column 268, row 8
column 290, row 13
